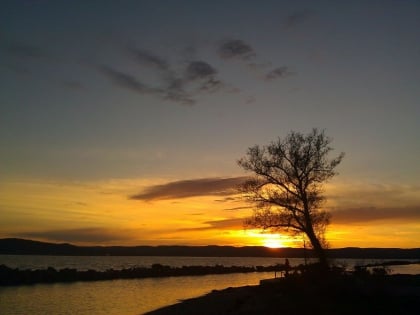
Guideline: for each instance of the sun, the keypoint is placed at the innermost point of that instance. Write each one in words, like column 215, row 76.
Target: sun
column 257, row 237
column 272, row 241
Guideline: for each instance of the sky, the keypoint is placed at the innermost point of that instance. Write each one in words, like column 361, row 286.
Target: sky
column 121, row 122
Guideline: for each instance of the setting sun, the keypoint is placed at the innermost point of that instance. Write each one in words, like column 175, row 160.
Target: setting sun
column 272, row 241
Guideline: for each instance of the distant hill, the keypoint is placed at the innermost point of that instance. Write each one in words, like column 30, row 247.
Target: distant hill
column 15, row 246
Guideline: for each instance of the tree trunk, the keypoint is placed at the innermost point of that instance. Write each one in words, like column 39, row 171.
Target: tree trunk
column 319, row 250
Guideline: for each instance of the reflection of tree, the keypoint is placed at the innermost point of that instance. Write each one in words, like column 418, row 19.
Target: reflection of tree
column 286, row 188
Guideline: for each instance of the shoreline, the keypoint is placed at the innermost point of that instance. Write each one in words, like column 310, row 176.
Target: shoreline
column 390, row 294
column 14, row 276
column 17, row 246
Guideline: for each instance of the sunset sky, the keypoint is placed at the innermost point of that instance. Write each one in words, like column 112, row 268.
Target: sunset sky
column 121, row 121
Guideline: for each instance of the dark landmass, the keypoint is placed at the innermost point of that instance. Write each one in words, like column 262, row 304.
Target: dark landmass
column 297, row 295
column 14, row 246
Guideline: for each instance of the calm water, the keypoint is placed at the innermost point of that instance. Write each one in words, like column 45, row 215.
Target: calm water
column 119, row 297
column 129, row 296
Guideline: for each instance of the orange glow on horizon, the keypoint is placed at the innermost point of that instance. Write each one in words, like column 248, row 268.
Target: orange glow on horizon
column 271, row 240
column 100, row 213
column 273, row 243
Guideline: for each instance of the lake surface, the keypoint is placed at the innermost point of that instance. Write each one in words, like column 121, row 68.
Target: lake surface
column 119, row 297
column 136, row 296
column 102, row 263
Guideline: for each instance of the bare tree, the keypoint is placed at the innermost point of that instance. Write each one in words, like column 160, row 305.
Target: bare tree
column 286, row 188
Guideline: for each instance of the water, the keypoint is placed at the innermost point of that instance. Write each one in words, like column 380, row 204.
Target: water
column 102, row 263
column 117, row 297
column 128, row 297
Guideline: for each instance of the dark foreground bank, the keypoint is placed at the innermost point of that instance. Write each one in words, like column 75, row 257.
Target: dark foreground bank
column 344, row 294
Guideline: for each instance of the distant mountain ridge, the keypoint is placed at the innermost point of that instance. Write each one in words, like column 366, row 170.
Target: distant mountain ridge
column 15, row 246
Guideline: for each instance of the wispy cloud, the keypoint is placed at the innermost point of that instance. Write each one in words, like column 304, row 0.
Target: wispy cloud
column 126, row 80
column 191, row 188
column 236, row 49
column 225, row 224
column 238, row 208
column 369, row 214
column 179, row 96
column 298, row 17
column 377, row 195
column 279, row 72
column 204, row 74
column 150, row 59
column 181, row 86
column 199, row 70
column 198, row 76
column 185, row 82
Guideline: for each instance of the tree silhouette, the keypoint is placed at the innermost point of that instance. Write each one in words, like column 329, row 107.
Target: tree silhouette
column 286, row 186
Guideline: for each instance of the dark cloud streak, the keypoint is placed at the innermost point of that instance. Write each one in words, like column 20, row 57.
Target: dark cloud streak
column 369, row 214
column 150, row 59
column 179, row 96
column 123, row 79
column 232, row 224
column 199, row 70
column 204, row 74
column 236, row 49
column 199, row 76
column 127, row 81
column 184, row 83
column 191, row 188
column 279, row 72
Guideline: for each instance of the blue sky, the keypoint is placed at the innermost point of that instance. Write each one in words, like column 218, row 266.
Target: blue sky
column 166, row 91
